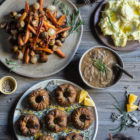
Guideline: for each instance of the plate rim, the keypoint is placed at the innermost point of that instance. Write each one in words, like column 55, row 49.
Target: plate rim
column 55, row 79
column 65, row 65
column 121, row 49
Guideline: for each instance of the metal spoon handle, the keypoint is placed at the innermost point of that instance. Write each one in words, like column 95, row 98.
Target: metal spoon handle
column 124, row 71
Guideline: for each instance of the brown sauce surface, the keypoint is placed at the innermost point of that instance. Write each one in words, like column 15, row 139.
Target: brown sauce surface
column 92, row 74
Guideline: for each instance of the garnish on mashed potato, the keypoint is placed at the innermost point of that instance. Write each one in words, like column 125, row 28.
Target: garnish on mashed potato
column 121, row 20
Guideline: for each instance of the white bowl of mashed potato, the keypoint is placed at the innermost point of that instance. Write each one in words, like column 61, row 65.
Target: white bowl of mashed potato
column 97, row 67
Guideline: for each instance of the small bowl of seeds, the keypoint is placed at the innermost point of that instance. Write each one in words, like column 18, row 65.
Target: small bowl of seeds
column 8, row 85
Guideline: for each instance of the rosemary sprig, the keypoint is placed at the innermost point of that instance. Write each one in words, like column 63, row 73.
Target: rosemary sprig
column 101, row 67
column 55, row 2
column 127, row 118
column 109, row 19
column 73, row 19
column 11, row 63
column 76, row 23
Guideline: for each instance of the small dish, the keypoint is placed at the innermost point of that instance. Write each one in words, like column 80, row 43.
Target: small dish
column 8, row 85
column 115, row 80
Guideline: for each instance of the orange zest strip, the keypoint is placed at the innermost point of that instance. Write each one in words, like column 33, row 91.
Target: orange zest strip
column 38, row 30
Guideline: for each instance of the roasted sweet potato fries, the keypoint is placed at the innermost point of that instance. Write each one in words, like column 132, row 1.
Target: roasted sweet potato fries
column 37, row 32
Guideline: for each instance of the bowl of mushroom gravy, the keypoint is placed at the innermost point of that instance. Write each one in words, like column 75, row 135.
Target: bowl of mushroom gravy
column 97, row 67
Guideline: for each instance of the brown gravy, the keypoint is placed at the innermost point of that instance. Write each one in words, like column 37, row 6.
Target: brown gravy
column 93, row 74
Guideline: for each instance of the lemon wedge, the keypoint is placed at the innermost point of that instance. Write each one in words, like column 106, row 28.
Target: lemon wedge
column 132, row 98
column 88, row 102
column 131, row 107
column 82, row 96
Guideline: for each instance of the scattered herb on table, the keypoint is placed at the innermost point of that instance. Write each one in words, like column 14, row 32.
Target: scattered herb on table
column 128, row 119
column 11, row 63
column 101, row 67
column 73, row 19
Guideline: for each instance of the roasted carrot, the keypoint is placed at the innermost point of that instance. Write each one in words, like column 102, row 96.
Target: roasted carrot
column 20, row 40
column 46, row 24
column 60, row 53
column 23, row 49
column 31, row 29
column 27, row 35
column 27, row 7
column 26, row 56
column 23, row 16
column 52, row 18
column 61, row 20
column 62, row 30
column 47, row 50
column 41, row 4
column 42, row 54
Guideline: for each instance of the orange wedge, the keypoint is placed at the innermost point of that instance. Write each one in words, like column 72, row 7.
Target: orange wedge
column 131, row 107
column 132, row 98
column 88, row 102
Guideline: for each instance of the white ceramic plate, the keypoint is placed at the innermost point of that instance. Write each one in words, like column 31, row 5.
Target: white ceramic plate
column 50, row 85
column 55, row 63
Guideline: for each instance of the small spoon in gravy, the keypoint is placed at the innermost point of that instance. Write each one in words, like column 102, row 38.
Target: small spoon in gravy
column 123, row 70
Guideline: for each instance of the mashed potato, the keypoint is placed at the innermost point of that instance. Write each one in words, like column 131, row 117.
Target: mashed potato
column 121, row 20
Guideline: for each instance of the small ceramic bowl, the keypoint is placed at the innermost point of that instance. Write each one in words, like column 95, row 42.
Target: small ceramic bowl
column 119, row 60
column 6, row 80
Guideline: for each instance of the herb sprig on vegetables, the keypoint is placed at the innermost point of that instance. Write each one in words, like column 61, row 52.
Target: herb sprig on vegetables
column 73, row 19
column 11, row 63
column 55, row 2
column 101, row 67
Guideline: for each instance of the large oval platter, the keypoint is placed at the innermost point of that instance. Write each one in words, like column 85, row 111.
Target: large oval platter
column 55, row 63
column 50, row 85
column 107, row 40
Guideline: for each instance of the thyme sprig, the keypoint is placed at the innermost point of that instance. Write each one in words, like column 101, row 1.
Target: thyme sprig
column 100, row 66
column 11, row 63
column 73, row 19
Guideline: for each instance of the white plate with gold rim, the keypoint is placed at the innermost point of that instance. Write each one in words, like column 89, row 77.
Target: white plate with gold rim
column 50, row 85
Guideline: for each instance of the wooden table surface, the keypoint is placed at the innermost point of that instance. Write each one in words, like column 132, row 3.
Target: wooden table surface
column 102, row 99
